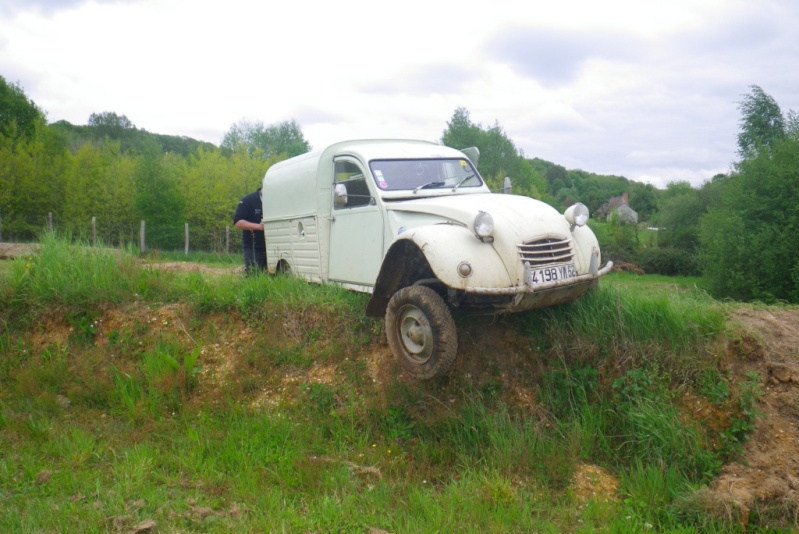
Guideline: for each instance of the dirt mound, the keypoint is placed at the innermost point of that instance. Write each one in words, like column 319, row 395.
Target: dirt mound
column 767, row 475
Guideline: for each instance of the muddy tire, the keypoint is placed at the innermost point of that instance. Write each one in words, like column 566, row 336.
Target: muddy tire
column 283, row 268
column 421, row 332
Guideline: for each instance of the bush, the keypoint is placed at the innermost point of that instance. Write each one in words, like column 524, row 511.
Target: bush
column 668, row 261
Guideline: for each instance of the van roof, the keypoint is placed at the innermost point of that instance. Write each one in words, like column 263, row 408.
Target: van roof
column 296, row 186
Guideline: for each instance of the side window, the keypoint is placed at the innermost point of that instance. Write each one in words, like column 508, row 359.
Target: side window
column 350, row 189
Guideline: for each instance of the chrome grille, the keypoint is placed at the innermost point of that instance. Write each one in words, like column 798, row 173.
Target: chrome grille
column 546, row 251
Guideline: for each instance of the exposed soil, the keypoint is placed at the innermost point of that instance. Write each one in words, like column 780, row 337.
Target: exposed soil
column 189, row 266
column 766, row 343
column 768, row 472
column 13, row 250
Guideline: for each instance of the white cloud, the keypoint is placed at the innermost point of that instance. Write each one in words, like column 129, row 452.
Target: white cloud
column 641, row 89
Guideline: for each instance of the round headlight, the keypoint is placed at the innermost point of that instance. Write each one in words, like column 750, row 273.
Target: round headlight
column 483, row 224
column 577, row 214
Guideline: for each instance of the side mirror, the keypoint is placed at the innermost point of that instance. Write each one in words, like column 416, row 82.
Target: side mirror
column 473, row 153
column 339, row 195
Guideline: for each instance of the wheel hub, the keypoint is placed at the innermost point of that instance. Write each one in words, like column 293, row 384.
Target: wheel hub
column 416, row 334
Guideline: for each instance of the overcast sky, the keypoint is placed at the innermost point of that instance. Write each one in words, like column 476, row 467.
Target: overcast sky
column 648, row 90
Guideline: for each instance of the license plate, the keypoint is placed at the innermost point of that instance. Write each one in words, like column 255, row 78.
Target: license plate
column 553, row 273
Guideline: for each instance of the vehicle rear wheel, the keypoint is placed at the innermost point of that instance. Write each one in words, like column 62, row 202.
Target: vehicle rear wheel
column 421, row 332
column 283, row 268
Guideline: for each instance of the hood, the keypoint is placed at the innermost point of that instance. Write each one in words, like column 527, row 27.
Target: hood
column 520, row 215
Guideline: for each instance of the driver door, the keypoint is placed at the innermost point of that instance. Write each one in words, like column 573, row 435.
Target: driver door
column 356, row 227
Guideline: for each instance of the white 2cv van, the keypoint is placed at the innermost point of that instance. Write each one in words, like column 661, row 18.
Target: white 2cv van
column 413, row 223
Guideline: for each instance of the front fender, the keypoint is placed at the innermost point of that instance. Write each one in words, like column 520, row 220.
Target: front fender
column 435, row 252
column 446, row 246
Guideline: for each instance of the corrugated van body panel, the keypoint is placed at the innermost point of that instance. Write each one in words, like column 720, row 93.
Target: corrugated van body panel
column 305, row 248
column 295, row 241
column 278, row 243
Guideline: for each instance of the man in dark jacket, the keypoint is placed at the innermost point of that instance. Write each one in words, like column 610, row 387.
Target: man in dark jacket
column 248, row 218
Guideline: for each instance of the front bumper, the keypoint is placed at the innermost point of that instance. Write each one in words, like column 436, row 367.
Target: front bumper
column 525, row 288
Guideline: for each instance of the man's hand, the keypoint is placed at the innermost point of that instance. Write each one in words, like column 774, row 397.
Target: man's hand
column 241, row 224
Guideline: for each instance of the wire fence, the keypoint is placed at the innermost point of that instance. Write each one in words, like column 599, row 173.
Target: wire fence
column 146, row 236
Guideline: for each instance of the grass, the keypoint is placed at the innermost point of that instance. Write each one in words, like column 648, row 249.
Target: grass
column 222, row 403
column 657, row 282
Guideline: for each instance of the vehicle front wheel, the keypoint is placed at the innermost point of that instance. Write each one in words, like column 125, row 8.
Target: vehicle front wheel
column 421, row 332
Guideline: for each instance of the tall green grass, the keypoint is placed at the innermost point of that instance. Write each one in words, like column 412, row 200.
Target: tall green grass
column 75, row 275
column 624, row 318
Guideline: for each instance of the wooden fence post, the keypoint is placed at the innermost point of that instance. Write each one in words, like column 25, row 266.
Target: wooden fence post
column 227, row 239
column 141, row 238
column 187, row 240
column 506, row 186
column 50, row 221
column 94, row 231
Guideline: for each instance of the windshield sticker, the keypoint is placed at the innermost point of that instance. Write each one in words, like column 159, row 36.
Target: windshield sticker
column 381, row 181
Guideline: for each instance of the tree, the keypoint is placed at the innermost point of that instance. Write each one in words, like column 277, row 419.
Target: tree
column 212, row 186
column 499, row 157
column 158, row 200
column 110, row 120
column 100, row 183
column 748, row 236
column 283, row 139
column 461, row 132
column 558, row 177
column 762, row 123
column 20, row 117
column 680, row 209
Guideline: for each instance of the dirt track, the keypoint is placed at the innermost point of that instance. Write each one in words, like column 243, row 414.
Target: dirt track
column 13, row 250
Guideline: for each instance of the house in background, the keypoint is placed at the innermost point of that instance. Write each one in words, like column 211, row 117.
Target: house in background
column 620, row 206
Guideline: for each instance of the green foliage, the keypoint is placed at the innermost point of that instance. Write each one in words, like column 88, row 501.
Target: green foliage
column 762, row 123
column 593, row 190
column 621, row 240
column 116, row 174
column 158, row 199
column 281, row 140
column 743, row 423
column 109, row 122
column 680, row 209
column 112, row 128
column 667, row 261
column 499, row 157
column 748, row 235
column 20, row 117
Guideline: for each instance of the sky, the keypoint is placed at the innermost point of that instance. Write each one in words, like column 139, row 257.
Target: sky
column 649, row 90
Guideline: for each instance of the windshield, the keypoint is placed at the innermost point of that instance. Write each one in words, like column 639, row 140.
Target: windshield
column 418, row 174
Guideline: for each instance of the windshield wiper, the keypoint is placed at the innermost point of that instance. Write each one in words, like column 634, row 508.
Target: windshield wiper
column 469, row 177
column 428, row 184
